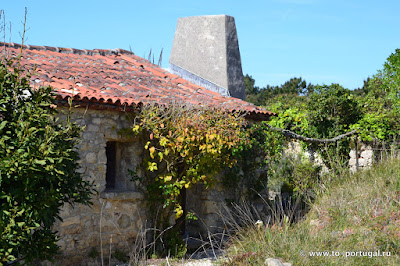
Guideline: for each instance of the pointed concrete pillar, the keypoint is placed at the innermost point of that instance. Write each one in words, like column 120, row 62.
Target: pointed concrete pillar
column 206, row 52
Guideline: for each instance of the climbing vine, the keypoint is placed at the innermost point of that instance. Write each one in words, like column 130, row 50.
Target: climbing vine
column 186, row 146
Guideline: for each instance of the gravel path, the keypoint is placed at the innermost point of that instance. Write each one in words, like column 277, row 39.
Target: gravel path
column 199, row 262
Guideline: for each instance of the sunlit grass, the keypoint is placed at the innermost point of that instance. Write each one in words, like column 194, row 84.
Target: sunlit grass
column 356, row 213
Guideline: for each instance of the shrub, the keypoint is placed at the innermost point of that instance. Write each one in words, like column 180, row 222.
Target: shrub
column 37, row 168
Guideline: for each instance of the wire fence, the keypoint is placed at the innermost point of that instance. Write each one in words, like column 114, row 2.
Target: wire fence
column 367, row 153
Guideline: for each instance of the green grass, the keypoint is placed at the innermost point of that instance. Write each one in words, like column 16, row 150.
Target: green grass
column 359, row 212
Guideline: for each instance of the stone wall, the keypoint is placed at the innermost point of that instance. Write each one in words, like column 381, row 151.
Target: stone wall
column 294, row 148
column 207, row 205
column 363, row 157
column 369, row 153
column 117, row 215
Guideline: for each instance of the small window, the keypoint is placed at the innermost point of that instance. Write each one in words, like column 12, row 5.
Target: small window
column 122, row 159
column 111, row 172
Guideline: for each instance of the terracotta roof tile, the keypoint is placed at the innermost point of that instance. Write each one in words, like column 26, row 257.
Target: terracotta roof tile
column 116, row 77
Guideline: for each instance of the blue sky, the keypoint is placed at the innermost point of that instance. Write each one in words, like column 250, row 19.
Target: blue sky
column 322, row 41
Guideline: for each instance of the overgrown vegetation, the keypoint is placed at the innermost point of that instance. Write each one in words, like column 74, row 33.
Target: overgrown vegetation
column 353, row 217
column 364, row 218
column 37, row 167
column 254, row 158
column 323, row 111
column 186, row 146
column 189, row 146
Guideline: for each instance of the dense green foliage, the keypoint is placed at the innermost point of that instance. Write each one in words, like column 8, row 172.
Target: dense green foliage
column 390, row 76
column 331, row 110
column 37, row 168
column 326, row 111
column 266, row 96
column 379, row 100
column 349, row 210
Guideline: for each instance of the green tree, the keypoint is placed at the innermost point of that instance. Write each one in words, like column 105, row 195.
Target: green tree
column 252, row 91
column 291, row 91
column 37, row 168
column 332, row 110
column 379, row 98
column 294, row 86
column 390, row 76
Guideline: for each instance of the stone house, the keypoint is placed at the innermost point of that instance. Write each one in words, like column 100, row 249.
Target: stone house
column 106, row 86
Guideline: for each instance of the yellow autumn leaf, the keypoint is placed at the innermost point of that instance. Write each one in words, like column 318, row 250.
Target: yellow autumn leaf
column 161, row 155
column 179, row 212
column 147, row 145
column 136, row 128
column 152, row 150
column 163, row 141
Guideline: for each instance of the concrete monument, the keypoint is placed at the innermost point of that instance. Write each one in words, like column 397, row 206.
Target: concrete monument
column 206, row 52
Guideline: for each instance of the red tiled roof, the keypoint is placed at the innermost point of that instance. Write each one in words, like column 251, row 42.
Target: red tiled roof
column 117, row 77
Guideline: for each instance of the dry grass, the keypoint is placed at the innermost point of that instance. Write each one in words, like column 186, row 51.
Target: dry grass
column 359, row 212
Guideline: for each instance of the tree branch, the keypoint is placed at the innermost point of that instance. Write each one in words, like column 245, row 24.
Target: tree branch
column 291, row 134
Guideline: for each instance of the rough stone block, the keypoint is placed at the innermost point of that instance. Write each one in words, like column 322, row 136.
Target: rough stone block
column 91, row 158
column 275, row 262
column 72, row 229
column 93, row 128
column 367, row 154
column 96, row 120
column 210, row 206
column 71, row 221
column 102, row 158
column 362, row 162
column 124, row 221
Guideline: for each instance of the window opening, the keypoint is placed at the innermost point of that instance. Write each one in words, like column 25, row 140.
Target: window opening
column 111, row 166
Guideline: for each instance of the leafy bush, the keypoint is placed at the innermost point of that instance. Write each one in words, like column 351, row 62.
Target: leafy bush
column 37, row 168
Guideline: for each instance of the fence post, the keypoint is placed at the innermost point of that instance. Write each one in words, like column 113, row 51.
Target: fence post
column 356, row 147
